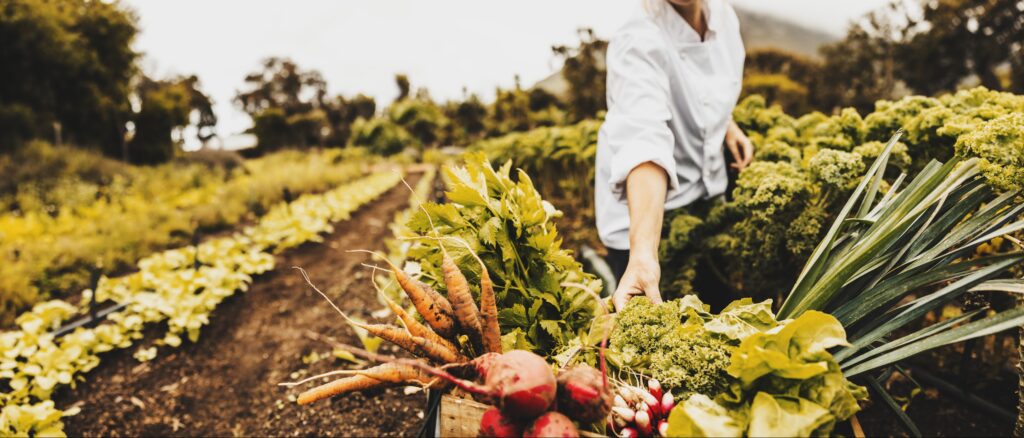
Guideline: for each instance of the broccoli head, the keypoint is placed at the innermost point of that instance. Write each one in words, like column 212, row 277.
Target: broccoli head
column 842, row 132
column 899, row 158
column 837, row 169
column 778, row 151
column 1000, row 146
column 660, row 340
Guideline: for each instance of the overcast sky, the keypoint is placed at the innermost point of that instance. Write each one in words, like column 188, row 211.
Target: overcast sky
column 359, row 45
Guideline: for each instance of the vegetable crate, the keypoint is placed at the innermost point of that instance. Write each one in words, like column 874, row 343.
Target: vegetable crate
column 459, row 417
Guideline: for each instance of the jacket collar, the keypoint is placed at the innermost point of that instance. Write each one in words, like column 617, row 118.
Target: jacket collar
column 680, row 33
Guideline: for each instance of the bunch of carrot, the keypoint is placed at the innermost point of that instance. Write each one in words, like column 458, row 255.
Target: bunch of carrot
column 436, row 339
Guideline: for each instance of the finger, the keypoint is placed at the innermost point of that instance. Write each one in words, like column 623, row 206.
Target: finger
column 654, row 294
column 748, row 151
column 734, row 151
column 620, row 298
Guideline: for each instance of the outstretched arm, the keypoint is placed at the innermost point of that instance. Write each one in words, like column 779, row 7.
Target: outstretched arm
column 646, row 188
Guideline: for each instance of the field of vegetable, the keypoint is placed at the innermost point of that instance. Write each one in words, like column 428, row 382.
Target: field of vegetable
column 798, row 306
column 394, row 233
column 101, row 218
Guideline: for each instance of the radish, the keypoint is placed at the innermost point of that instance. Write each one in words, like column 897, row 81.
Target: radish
column 653, row 404
column 496, row 424
column 582, row 394
column 629, row 432
column 619, row 401
column 643, row 423
column 654, row 387
column 626, row 414
column 663, row 427
column 668, row 401
column 552, row 424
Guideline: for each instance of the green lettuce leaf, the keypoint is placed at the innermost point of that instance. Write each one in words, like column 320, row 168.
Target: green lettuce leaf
column 743, row 318
column 796, row 350
column 699, row 416
column 772, row 416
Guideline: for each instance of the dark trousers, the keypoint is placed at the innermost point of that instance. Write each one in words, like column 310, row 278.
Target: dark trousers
column 617, row 260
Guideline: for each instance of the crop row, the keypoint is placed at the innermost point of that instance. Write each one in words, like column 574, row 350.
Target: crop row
column 180, row 287
column 47, row 250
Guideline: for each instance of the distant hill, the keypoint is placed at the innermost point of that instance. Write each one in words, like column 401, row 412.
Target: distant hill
column 759, row 30
column 762, row 30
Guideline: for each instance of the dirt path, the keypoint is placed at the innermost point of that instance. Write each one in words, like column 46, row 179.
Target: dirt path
column 226, row 383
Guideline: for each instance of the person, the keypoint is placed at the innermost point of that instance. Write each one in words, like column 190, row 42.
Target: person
column 675, row 71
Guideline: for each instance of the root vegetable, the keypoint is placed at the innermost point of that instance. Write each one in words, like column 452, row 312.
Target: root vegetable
column 628, row 432
column 489, row 313
column 619, row 401
column 654, row 387
column 438, row 318
column 582, row 395
column 643, row 423
column 417, row 346
column 552, row 424
column 466, row 312
column 417, row 328
column 663, row 427
column 438, row 352
column 653, row 404
column 496, row 424
column 491, row 331
column 668, row 401
column 626, row 414
column 387, row 374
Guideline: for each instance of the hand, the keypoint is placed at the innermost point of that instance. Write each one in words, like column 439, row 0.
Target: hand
column 739, row 145
column 641, row 278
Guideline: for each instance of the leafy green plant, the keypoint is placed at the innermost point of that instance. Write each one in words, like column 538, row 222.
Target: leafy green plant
column 884, row 248
column 509, row 225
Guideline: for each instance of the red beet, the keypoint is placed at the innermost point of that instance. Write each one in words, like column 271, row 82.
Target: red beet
column 582, row 395
column 552, row 424
column 496, row 424
column 523, row 383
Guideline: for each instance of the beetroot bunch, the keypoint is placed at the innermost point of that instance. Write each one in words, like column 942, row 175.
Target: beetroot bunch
column 531, row 402
column 641, row 412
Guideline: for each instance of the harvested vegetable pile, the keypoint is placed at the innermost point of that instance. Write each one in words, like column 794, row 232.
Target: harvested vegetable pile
column 740, row 372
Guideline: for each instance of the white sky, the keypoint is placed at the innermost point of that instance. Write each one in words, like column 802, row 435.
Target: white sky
column 359, row 45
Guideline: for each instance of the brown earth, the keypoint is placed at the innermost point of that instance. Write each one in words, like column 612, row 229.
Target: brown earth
column 226, row 384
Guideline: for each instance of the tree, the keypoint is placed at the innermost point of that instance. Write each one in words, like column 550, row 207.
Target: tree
column 287, row 104
column 585, row 70
column 510, row 111
column 342, row 113
column 402, row 81
column 66, row 63
column 201, row 105
column 165, row 105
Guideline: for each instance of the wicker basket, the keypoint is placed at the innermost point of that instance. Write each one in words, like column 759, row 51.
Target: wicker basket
column 459, row 417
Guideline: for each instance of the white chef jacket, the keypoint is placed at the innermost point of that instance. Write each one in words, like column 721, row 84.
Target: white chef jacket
column 670, row 100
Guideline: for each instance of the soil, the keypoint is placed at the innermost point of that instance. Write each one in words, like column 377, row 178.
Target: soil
column 226, row 383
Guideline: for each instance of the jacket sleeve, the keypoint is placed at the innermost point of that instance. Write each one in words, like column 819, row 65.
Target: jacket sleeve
column 636, row 125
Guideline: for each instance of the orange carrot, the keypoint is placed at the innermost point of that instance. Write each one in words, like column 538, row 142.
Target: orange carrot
column 388, row 374
column 418, row 329
column 440, row 300
column 465, row 308
column 489, row 314
column 488, row 305
column 408, row 342
column 438, row 352
column 436, row 316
